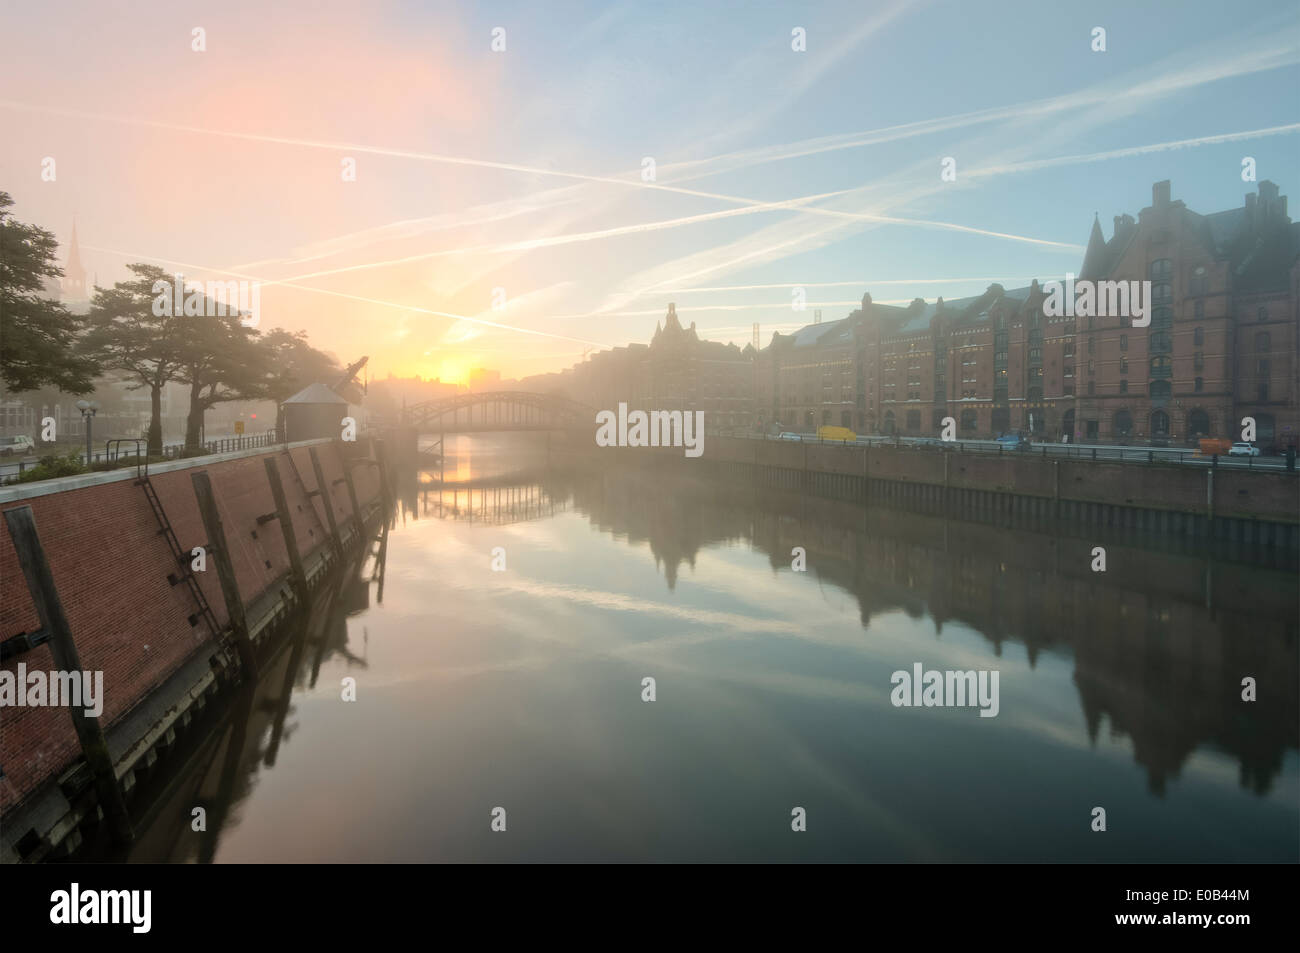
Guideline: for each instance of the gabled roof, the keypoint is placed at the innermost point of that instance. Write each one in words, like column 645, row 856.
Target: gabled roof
column 820, row 335
column 316, row 394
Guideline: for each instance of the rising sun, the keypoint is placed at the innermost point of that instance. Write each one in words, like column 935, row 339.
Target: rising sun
column 453, row 371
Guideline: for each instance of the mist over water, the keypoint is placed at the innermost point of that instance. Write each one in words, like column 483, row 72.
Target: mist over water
column 522, row 689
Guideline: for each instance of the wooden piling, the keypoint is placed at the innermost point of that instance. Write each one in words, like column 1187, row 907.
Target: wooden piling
column 220, row 552
column 352, row 492
column 49, row 609
column 324, row 490
column 297, row 576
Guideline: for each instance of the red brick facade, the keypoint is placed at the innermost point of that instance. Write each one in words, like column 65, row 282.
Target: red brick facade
column 1223, row 344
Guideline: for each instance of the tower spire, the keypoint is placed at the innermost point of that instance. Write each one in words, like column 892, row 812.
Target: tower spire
column 74, row 273
column 1094, row 257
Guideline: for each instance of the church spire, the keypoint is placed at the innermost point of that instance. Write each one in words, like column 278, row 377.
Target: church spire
column 74, row 273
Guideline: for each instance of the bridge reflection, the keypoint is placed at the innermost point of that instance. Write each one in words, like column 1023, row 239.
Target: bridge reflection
column 497, row 504
column 456, row 487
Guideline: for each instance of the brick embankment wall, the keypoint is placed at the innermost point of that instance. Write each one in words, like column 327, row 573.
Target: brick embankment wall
column 1237, row 493
column 1177, row 500
column 111, row 564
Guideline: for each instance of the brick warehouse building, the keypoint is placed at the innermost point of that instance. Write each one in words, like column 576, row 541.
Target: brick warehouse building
column 1222, row 345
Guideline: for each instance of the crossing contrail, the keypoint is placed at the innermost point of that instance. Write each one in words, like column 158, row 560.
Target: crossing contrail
column 531, row 170
column 1034, row 164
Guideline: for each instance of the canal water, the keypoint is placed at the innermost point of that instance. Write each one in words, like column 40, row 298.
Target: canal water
column 521, row 687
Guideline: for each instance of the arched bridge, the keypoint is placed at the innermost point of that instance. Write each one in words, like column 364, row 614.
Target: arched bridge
column 498, row 411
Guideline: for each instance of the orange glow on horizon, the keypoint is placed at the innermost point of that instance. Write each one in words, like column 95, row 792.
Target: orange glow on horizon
column 454, row 370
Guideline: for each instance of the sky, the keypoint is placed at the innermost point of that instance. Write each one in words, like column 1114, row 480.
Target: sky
column 503, row 212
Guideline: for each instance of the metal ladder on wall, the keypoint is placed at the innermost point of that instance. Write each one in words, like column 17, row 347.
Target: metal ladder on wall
column 181, row 559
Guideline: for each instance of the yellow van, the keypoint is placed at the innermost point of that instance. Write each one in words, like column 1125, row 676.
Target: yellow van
column 835, row 433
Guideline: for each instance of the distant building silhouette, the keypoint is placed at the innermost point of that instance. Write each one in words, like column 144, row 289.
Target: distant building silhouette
column 675, row 371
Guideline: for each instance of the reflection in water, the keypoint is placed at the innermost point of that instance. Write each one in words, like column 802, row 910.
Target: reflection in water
column 522, row 688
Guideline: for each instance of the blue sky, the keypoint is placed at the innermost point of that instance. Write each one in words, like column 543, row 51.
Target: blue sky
column 226, row 161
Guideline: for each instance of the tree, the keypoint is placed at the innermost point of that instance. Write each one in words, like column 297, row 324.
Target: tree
column 38, row 336
column 290, row 365
column 126, row 335
column 220, row 360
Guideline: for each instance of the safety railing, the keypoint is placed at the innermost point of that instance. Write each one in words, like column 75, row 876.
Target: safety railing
column 1092, row 452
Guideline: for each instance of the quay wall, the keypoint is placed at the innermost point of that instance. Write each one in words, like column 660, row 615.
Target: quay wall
column 111, row 563
column 1238, row 504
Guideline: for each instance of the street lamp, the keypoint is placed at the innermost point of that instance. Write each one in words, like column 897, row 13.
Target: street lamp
column 88, row 408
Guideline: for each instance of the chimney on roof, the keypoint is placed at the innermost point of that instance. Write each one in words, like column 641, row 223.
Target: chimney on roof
column 1160, row 194
column 866, row 301
column 1272, row 206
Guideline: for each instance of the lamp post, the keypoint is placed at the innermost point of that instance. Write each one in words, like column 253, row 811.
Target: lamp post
column 88, row 408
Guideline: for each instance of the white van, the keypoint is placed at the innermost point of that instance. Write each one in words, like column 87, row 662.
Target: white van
column 20, row 446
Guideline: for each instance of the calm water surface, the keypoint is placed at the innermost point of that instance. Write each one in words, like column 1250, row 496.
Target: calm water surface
column 522, row 689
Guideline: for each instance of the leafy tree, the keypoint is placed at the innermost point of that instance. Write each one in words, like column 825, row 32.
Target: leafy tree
column 127, row 336
column 37, row 336
column 220, row 360
column 290, row 364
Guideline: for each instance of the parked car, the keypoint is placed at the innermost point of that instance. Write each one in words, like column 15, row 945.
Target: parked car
column 1014, row 441
column 1243, row 449
column 787, row 435
column 20, row 445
